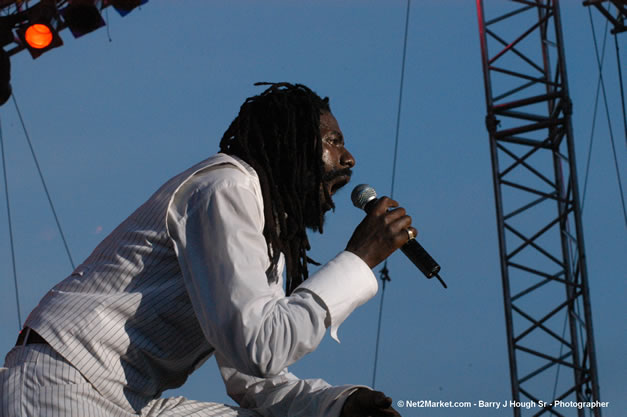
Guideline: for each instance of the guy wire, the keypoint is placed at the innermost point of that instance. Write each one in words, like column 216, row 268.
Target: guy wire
column 609, row 122
column 43, row 182
column 384, row 271
column 11, row 241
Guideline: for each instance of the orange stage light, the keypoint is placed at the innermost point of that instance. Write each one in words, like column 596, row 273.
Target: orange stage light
column 40, row 31
column 38, row 36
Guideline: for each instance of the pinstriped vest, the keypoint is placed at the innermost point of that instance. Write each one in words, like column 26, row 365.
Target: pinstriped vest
column 124, row 318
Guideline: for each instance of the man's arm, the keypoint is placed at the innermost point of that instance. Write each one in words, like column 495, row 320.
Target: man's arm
column 216, row 224
column 287, row 395
column 284, row 394
column 218, row 235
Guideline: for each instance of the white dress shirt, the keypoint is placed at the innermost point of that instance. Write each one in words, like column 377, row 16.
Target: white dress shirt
column 124, row 319
column 267, row 330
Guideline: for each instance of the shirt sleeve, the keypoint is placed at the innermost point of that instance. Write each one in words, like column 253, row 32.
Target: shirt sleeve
column 284, row 394
column 216, row 224
column 343, row 284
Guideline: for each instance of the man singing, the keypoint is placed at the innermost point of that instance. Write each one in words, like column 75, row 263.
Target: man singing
column 198, row 270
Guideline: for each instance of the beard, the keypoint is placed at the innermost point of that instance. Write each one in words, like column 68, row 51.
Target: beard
column 314, row 215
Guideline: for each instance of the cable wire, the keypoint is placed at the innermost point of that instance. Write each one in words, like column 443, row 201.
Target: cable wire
column 609, row 122
column 384, row 271
column 594, row 119
column 400, row 101
column 43, row 182
column 6, row 194
column 600, row 85
column 620, row 82
column 384, row 278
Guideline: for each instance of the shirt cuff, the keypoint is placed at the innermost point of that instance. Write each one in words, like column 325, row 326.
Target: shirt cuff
column 343, row 284
column 339, row 395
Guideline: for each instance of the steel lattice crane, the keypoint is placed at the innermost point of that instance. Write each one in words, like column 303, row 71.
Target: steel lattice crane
column 543, row 263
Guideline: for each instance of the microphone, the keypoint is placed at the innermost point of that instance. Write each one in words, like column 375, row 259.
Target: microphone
column 365, row 197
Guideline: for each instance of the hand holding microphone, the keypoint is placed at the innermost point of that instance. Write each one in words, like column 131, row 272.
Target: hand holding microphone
column 386, row 228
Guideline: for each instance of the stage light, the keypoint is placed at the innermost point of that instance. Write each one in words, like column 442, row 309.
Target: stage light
column 124, row 7
column 38, row 36
column 40, row 33
column 82, row 16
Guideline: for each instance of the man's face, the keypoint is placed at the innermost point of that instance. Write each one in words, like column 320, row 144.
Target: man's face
column 337, row 160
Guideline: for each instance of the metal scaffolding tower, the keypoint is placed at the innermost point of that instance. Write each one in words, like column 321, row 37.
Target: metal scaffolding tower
column 543, row 265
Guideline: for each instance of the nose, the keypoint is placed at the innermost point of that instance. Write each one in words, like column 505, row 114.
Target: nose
column 347, row 159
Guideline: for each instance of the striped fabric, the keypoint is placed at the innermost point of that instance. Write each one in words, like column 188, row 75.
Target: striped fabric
column 137, row 334
column 188, row 266
column 38, row 382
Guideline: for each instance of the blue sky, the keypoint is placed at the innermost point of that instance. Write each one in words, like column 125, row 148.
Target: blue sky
column 111, row 120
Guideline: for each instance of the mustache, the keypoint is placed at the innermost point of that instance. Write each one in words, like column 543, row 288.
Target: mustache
column 333, row 174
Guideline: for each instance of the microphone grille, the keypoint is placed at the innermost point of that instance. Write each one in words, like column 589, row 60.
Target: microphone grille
column 362, row 195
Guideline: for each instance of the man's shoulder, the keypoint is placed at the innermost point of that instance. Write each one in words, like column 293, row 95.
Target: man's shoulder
column 221, row 164
column 218, row 173
column 221, row 169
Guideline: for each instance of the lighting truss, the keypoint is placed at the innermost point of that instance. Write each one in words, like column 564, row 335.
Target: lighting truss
column 543, row 268
column 17, row 15
column 80, row 16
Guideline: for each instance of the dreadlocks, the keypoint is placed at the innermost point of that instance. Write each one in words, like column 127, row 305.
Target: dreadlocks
column 278, row 134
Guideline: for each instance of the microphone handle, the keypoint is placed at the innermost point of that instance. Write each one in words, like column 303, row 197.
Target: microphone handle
column 412, row 249
column 415, row 252
column 419, row 256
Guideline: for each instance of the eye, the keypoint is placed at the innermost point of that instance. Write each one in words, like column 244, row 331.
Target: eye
column 335, row 140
